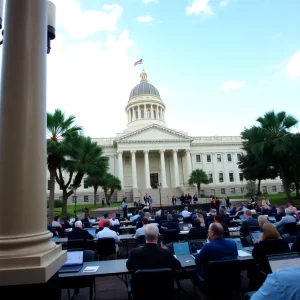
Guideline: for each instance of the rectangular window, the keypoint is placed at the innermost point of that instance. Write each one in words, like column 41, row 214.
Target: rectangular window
column 229, row 158
column 219, row 158
column 232, row 190
column 48, row 185
column 210, row 177
column 221, row 177
column 74, row 199
column 208, row 158
column 241, row 176
column 274, row 188
column 198, row 158
column 86, row 198
column 223, row 191
column 264, row 189
column 231, row 178
column 239, row 157
column 85, row 185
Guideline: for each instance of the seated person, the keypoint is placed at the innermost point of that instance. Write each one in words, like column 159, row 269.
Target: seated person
column 280, row 214
column 66, row 224
column 197, row 230
column 272, row 211
column 284, row 220
column 262, row 220
column 141, row 230
column 114, row 221
column 218, row 248
column 170, row 224
column 106, row 217
column 151, row 256
column 282, row 284
column 218, row 219
column 296, row 244
column 106, row 232
column 248, row 222
column 185, row 213
column 79, row 234
column 56, row 222
column 210, row 218
column 270, row 243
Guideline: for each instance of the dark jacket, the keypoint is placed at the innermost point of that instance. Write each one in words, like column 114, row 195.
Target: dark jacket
column 79, row 234
column 151, row 256
column 198, row 232
column 171, row 225
column 250, row 222
column 296, row 244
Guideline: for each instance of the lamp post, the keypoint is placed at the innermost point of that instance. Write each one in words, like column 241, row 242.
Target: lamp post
column 74, row 188
column 50, row 28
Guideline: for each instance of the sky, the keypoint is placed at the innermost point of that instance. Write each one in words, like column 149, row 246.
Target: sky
column 218, row 64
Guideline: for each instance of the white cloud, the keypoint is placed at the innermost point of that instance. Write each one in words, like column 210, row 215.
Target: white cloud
column 223, row 3
column 199, row 6
column 293, row 67
column 261, row 81
column 81, row 24
column 232, row 85
column 145, row 19
column 91, row 79
column 150, row 1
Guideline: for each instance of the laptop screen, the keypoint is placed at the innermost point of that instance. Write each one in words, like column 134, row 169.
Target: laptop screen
column 288, row 261
column 255, row 235
column 196, row 246
column 181, row 248
column 92, row 231
column 74, row 258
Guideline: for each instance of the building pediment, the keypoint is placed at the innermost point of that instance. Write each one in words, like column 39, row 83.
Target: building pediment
column 154, row 133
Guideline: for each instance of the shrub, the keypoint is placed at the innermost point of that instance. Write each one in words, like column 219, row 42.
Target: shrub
column 57, row 203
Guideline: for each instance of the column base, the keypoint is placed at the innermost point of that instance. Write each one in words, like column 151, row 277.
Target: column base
column 31, row 269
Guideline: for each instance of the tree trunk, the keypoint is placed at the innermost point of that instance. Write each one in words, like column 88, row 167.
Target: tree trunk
column 285, row 183
column 198, row 188
column 95, row 195
column 66, row 195
column 297, row 185
column 258, row 187
column 52, row 172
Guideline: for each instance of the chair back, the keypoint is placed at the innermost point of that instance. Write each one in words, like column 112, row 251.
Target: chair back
column 115, row 228
column 161, row 279
column 187, row 220
column 106, row 246
column 88, row 255
column 290, row 228
column 288, row 238
column 76, row 244
column 227, row 284
column 199, row 236
column 86, row 224
column 141, row 240
column 169, row 236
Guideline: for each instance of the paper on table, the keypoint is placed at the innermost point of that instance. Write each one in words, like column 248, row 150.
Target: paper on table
column 91, row 269
column 243, row 253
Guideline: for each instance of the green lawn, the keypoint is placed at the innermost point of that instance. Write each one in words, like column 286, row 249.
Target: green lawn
column 276, row 199
column 57, row 211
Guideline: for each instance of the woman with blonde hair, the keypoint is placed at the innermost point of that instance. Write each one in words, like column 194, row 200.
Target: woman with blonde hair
column 199, row 216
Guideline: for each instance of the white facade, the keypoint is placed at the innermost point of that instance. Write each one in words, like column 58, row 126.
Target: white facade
column 148, row 153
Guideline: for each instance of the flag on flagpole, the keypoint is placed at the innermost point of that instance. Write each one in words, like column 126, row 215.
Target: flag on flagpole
column 139, row 62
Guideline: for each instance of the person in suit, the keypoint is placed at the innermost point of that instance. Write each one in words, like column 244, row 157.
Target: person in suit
column 217, row 249
column 198, row 231
column 79, row 234
column 170, row 224
column 151, row 256
column 248, row 222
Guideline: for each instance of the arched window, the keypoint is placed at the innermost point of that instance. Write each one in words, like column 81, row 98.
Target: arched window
column 136, row 114
column 142, row 114
column 154, row 114
column 148, row 114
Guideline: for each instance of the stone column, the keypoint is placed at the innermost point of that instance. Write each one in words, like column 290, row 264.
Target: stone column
column 189, row 163
column 27, row 254
column 163, row 169
column 120, row 167
column 147, row 170
column 176, row 171
column 133, row 166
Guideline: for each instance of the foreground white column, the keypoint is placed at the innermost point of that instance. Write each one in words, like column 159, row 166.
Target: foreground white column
column 176, row 171
column 147, row 170
column 27, row 254
column 189, row 163
column 163, row 169
column 120, row 167
column 133, row 166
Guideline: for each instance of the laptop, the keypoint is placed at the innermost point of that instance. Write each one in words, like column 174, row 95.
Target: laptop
column 185, row 226
column 181, row 248
column 91, row 231
column 196, row 246
column 284, row 261
column 74, row 262
column 255, row 235
column 272, row 219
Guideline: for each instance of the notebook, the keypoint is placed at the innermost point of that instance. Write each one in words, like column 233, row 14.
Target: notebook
column 284, row 261
column 74, row 262
column 255, row 235
column 181, row 248
column 91, row 231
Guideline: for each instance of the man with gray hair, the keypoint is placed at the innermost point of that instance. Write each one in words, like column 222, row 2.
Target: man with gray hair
column 79, row 234
column 284, row 220
column 151, row 255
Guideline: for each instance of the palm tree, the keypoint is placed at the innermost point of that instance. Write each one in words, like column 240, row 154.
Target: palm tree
column 94, row 180
column 197, row 177
column 86, row 157
column 274, row 139
column 110, row 184
column 58, row 129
